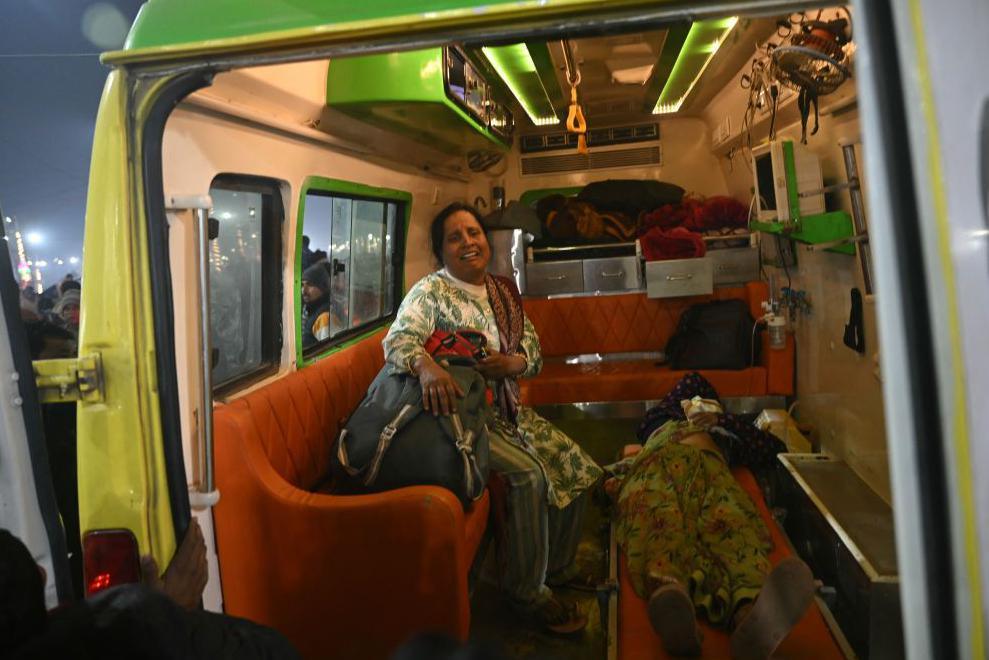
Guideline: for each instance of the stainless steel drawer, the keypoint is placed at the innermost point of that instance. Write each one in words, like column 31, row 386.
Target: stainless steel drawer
column 545, row 278
column 612, row 274
column 679, row 277
column 735, row 265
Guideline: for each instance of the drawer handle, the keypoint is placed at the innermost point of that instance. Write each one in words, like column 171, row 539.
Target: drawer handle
column 603, row 273
column 556, row 278
column 677, row 278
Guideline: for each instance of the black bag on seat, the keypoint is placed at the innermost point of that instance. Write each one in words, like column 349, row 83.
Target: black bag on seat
column 390, row 441
column 714, row 335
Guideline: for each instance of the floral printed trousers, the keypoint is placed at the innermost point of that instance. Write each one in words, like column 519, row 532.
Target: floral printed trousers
column 682, row 515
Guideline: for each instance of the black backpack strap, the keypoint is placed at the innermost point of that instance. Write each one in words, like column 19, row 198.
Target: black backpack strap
column 464, row 442
column 405, row 415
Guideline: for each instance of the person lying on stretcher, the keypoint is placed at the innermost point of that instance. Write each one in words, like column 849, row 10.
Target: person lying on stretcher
column 693, row 539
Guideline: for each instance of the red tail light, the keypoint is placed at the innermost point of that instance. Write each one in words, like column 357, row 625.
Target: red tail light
column 110, row 557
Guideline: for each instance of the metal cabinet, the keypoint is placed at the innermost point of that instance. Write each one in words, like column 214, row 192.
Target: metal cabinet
column 679, row 277
column 735, row 265
column 547, row 278
column 612, row 274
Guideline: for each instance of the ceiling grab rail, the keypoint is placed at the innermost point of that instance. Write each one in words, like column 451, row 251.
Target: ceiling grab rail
column 575, row 115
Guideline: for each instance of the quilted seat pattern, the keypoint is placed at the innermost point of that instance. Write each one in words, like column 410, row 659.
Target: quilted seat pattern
column 339, row 576
column 299, row 417
column 625, row 323
column 633, row 323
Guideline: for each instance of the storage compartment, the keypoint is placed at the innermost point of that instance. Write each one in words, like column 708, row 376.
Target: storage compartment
column 614, row 274
column 435, row 96
column 844, row 531
column 679, row 277
column 735, row 265
column 551, row 277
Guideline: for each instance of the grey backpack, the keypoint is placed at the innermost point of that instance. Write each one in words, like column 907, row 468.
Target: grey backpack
column 390, row 441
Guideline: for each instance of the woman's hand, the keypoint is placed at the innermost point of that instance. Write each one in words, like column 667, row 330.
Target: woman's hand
column 439, row 389
column 704, row 420
column 187, row 573
column 499, row 365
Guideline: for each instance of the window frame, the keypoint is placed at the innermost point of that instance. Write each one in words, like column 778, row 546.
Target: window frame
column 356, row 192
column 272, row 285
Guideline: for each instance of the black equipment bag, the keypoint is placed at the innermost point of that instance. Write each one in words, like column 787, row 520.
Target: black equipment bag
column 390, row 441
column 714, row 335
column 630, row 196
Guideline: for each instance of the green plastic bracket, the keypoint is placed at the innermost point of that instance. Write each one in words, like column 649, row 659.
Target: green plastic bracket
column 815, row 229
column 790, row 168
column 811, row 229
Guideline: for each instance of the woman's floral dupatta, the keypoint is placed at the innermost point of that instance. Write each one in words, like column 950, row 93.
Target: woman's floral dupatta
column 506, row 302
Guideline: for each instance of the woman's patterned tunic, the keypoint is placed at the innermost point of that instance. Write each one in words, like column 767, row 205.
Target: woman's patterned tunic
column 434, row 303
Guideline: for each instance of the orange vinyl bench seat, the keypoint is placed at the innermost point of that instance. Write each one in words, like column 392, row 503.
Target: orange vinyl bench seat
column 810, row 638
column 632, row 323
column 341, row 576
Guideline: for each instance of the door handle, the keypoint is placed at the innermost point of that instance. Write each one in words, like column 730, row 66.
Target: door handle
column 620, row 273
column 679, row 278
column 556, row 278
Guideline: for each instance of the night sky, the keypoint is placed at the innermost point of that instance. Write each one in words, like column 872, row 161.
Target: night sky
column 50, row 85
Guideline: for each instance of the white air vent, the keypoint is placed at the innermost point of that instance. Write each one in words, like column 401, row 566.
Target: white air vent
column 595, row 160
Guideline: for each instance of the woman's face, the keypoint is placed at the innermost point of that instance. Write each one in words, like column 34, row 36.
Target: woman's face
column 71, row 313
column 465, row 248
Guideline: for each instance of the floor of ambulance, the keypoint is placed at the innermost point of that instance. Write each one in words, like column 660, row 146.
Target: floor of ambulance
column 495, row 625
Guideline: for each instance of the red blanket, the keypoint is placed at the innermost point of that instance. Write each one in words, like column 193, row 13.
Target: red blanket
column 698, row 215
column 677, row 243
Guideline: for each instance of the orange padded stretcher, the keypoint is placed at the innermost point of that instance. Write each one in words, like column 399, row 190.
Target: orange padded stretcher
column 811, row 637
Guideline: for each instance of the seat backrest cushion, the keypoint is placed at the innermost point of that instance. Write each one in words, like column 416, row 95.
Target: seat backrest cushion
column 299, row 416
column 626, row 323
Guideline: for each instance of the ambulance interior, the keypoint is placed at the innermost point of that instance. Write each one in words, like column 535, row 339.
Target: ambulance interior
column 359, row 153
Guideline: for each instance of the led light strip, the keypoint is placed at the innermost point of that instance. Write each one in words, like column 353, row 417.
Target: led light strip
column 693, row 45
column 515, row 60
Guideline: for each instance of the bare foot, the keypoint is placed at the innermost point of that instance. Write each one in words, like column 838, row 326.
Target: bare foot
column 781, row 603
column 671, row 613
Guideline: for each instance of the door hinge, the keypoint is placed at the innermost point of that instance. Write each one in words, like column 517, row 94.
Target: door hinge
column 72, row 379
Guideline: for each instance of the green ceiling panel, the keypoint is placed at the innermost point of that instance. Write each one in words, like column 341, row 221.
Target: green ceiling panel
column 702, row 42
column 516, row 68
column 559, row 98
column 676, row 35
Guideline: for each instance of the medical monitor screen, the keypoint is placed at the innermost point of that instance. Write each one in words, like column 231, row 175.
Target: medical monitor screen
column 765, row 186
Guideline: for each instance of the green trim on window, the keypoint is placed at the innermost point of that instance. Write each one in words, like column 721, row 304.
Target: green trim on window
column 350, row 189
